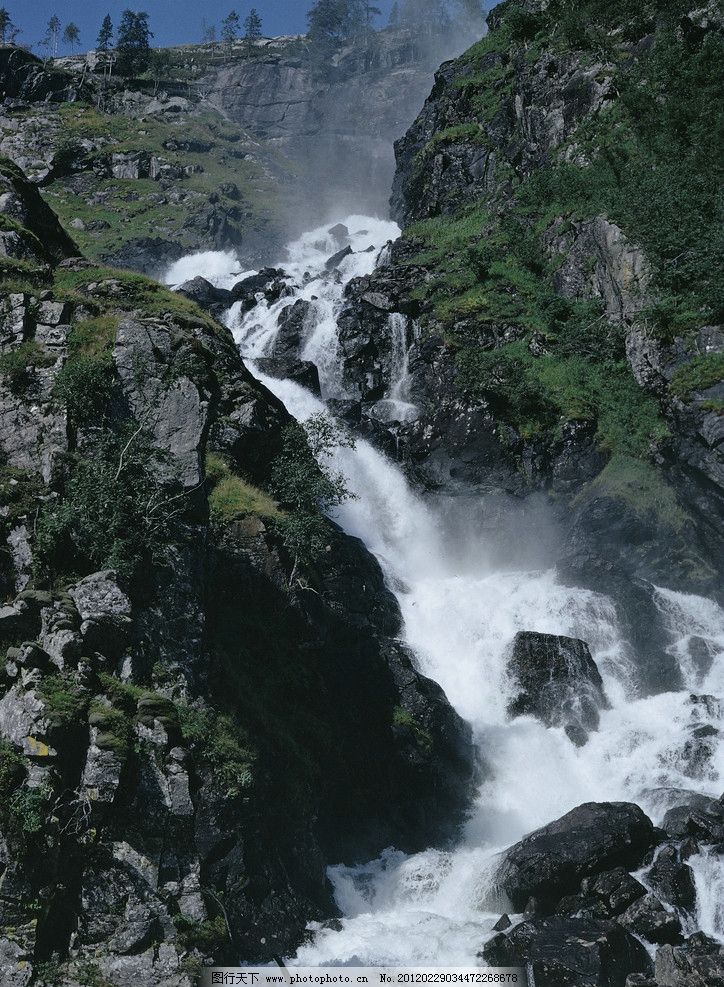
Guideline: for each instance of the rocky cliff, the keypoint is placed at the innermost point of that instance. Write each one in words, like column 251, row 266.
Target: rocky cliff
column 217, row 146
column 556, row 272
column 191, row 725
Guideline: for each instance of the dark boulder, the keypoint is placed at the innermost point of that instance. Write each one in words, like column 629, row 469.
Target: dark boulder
column 559, row 952
column 336, row 259
column 205, row 294
column 552, row 861
column 435, row 743
column 147, row 255
column 698, row 963
column 700, row 817
column 302, row 372
column 270, row 282
column 340, row 233
column 603, row 896
column 292, row 324
column 648, row 919
column 671, row 879
column 557, row 681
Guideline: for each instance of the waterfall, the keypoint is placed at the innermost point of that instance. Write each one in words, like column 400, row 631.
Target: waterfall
column 460, row 615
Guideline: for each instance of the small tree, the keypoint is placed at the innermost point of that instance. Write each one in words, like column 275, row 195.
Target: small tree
column 208, row 32
column 71, row 36
column 52, row 36
column 307, row 487
column 230, row 28
column 395, row 15
column 252, row 27
column 7, row 28
column 105, row 35
column 134, row 43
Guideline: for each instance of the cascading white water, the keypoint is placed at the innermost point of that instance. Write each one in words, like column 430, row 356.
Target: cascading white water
column 459, row 619
column 311, row 282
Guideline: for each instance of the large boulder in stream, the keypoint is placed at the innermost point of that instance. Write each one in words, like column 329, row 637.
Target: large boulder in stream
column 269, row 282
column 292, row 324
column 205, row 294
column 556, row 680
column 302, row 372
column 552, row 861
column 570, row 952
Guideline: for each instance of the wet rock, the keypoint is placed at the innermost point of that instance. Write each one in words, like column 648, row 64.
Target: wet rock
column 293, row 325
column 336, row 259
column 105, row 613
column 671, row 879
column 698, row 963
column 270, row 282
column 699, row 817
column 302, row 372
column 603, row 896
column 580, row 952
column 205, row 294
column 556, row 680
column 552, row 861
column 648, row 919
column 340, row 233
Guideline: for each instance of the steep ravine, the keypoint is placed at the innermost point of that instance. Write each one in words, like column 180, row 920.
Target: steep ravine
column 476, row 717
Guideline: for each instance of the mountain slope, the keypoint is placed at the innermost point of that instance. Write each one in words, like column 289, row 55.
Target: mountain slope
column 559, row 193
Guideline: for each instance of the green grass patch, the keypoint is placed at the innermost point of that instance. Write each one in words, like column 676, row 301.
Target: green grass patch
column 19, row 365
column 222, row 744
column 641, row 487
column 698, row 375
column 231, row 497
column 404, row 720
column 66, row 700
column 93, row 337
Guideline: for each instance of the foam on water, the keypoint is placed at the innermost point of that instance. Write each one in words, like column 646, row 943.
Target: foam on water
column 459, row 618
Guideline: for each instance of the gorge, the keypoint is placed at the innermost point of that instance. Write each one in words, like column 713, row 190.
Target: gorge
column 467, row 664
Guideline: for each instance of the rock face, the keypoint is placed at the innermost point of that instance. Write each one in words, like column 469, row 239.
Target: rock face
column 501, row 123
column 556, row 680
column 551, row 862
column 340, row 120
column 570, row 951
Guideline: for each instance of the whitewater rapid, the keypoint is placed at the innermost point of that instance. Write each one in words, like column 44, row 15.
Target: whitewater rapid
column 460, row 616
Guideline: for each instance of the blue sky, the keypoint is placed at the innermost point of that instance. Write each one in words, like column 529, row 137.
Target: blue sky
column 172, row 21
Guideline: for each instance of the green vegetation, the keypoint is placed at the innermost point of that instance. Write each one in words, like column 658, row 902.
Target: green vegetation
column 404, row 720
column 648, row 162
column 19, row 365
column 65, row 699
column 699, row 374
column 231, row 497
column 222, row 744
column 12, row 774
column 19, row 493
column 114, row 727
column 640, row 485
column 114, row 291
column 24, row 818
column 208, row 937
column 213, row 163
column 114, row 513
column 303, row 482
